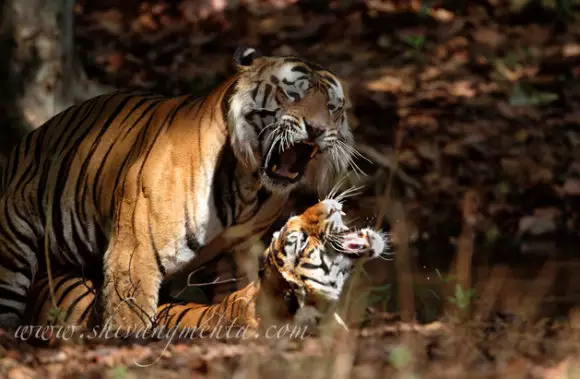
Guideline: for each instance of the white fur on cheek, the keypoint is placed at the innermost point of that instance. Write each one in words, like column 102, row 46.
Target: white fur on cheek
column 378, row 242
column 243, row 135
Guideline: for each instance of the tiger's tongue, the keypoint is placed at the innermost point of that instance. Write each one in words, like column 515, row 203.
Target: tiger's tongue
column 354, row 243
column 287, row 160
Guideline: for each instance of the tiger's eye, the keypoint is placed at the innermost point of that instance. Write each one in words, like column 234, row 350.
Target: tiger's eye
column 294, row 96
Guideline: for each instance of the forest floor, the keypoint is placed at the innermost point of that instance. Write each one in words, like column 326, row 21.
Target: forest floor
column 469, row 119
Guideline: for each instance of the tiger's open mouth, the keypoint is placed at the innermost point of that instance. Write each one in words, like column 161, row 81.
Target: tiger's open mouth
column 290, row 164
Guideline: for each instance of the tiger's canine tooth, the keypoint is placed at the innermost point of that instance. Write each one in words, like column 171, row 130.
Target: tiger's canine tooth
column 314, row 151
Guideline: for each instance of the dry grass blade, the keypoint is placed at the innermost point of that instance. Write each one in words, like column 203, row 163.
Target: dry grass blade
column 490, row 291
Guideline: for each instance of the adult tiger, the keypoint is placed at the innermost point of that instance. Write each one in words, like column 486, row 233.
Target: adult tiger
column 127, row 188
column 304, row 271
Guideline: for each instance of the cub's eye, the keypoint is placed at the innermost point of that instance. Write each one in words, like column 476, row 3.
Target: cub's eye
column 296, row 237
column 333, row 108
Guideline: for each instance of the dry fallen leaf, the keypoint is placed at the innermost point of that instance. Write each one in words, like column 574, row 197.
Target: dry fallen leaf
column 489, row 37
column 565, row 369
column 572, row 186
column 536, row 225
column 21, row 372
column 463, row 88
column 147, row 21
column 111, row 20
column 386, row 84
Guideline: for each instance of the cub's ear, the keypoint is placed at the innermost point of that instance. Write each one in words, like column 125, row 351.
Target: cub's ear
column 245, row 55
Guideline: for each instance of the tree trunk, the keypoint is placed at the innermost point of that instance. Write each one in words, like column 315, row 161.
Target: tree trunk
column 40, row 73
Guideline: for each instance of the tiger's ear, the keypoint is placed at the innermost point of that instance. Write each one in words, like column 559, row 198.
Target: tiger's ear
column 245, row 55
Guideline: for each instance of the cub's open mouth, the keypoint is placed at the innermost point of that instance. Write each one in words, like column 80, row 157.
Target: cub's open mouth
column 291, row 163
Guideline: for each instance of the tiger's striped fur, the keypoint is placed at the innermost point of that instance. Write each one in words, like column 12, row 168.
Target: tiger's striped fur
column 128, row 189
column 306, row 265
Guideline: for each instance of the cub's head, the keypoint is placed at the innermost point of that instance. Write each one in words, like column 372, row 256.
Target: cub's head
column 287, row 119
column 314, row 254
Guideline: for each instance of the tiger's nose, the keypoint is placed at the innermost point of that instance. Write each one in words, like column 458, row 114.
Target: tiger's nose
column 313, row 132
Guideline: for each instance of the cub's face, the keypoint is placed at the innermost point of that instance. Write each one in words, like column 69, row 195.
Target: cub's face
column 289, row 122
column 316, row 252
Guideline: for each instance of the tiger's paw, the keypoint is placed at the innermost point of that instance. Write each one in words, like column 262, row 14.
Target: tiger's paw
column 308, row 315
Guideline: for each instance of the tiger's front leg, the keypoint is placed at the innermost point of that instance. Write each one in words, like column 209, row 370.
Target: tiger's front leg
column 157, row 229
column 132, row 267
column 131, row 286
